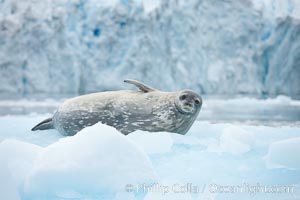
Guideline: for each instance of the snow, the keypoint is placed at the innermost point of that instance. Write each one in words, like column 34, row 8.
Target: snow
column 199, row 45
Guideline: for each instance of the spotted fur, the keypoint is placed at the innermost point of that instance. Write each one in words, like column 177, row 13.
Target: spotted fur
column 128, row 111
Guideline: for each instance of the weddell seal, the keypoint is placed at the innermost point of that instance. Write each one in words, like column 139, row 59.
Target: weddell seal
column 127, row 110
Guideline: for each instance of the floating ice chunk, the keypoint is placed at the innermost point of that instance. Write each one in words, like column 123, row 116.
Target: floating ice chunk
column 284, row 154
column 18, row 157
column 8, row 188
column 159, row 142
column 96, row 161
column 236, row 140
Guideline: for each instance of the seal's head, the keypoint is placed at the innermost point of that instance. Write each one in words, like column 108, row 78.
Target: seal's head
column 188, row 102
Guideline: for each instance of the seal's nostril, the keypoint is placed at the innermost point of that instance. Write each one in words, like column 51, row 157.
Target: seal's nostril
column 187, row 104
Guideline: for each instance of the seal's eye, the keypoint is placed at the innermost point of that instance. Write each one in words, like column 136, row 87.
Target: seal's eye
column 197, row 102
column 182, row 97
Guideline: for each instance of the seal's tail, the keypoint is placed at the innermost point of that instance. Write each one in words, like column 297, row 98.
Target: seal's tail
column 44, row 125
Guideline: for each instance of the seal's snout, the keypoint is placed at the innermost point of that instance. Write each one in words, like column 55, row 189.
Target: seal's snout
column 188, row 104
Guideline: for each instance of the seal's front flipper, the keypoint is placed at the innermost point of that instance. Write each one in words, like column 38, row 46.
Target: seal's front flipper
column 143, row 87
column 44, row 125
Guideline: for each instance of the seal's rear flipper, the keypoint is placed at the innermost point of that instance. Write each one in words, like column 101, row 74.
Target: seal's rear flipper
column 143, row 87
column 44, row 125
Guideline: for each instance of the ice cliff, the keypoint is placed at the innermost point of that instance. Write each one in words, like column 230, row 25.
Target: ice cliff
column 212, row 46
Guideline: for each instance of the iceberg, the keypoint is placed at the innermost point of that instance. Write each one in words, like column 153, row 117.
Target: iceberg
column 16, row 160
column 283, row 154
column 8, row 188
column 96, row 162
column 214, row 47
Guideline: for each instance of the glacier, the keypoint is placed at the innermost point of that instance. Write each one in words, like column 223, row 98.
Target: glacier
column 214, row 47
